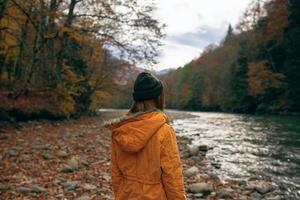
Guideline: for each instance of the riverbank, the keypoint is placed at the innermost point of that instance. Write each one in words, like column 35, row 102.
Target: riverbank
column 70, row 159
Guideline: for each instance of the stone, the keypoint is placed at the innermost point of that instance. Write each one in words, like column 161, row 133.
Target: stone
column 70, row 185
column 198, row 195
column 216, row 165
column 83, row 197
column 224, row 193
column 193, row 150
column 24, row 190
column 88, row 186
column 71, row 166
column 255, row 196
column 191, row 171
column 277, row 197
column 203, row 147
column 263, row 187
column 11, row 152
column 203, row 188
column 37, row 189
column 62, row 154
column 106, row 176
column 42, row 146
column 47, row 156
column 5, row 187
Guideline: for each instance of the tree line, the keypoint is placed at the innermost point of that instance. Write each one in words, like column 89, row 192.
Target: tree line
column 56, row 57
column 255, row 69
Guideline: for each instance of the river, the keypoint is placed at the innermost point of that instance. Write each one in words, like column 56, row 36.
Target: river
column 247, row 146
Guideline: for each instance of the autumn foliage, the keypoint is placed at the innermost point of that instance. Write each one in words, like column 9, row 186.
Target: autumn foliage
column 255, row 68
column 55, row 58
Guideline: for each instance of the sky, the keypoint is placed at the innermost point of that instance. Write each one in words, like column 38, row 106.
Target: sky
column 192, row 25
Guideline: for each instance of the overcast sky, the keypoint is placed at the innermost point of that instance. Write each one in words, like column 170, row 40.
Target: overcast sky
column 192, row 25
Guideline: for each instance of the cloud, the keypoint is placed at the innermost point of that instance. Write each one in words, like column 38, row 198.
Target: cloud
column 194, row 24
column 201, row 38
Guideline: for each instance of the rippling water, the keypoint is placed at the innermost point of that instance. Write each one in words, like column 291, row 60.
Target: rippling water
column 245, row 146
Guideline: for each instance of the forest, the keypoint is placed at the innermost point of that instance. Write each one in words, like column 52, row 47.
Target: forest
column 57, row 58
column 61, row 59
column 255, row 69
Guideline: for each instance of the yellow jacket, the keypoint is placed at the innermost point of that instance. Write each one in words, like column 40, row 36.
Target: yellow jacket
column 145, row 162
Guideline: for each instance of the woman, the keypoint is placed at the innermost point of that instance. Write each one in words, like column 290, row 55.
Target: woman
column 145, row 162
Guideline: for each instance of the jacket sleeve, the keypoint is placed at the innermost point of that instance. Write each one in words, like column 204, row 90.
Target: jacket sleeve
column 171, row 166
column 116, row 175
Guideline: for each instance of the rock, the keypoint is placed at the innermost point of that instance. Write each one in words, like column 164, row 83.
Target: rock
column 224, row 193
column 37, row 189
column 48, row 156
column 191, row 171
column 261, row 186
column 193, row 150
column 83, row 197
column 42, row 146
column 216, row 165
column 277, row 197
column 203, row 147
column 71, row 166
column 81, row 134
column 105, row 176
column 198, row 195
column 88, row 186
column 70, row 185
column 62, row 154
column 23, row 190
column 5, row 187
column 11, row 152
column 255, row 196
column 203, row 188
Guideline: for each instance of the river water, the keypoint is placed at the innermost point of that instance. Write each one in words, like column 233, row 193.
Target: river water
column 246, row 146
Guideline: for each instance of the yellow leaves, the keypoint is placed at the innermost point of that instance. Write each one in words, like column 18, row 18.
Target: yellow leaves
column 261, row 78
column 72, row 33
column 98, row 97
column 66, row 91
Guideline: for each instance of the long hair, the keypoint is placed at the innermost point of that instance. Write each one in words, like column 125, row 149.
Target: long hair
column 146, row 105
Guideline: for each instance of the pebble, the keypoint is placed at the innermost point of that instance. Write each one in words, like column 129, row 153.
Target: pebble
column 37, row 189
column 193, row 150
column 203, row 188
column 88, row 186
column 203, row 147
column 191, row 171
column 47, row 156
column 225, row 193
column 11, row 152
column 71, row 166
column 83, row 197
column 255, row 196
column 70, row 185
column 62, row 154
column 5, row 187
column 33, row 189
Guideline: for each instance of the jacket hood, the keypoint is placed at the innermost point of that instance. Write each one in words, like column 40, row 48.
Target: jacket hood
column 133, row 132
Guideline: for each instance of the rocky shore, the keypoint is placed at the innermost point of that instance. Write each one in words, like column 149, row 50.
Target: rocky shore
column 70, row 160
column 202, row 183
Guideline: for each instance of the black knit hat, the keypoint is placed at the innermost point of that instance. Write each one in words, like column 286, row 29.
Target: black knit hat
column 146, row 86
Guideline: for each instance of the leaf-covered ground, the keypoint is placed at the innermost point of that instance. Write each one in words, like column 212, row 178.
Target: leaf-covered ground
column 56, row 160
column 66, row 159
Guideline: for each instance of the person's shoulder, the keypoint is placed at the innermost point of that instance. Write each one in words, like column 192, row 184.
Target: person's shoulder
column 166, row 130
